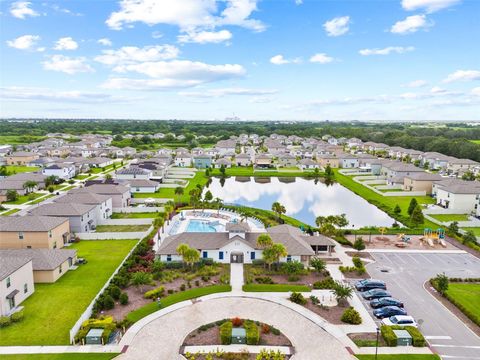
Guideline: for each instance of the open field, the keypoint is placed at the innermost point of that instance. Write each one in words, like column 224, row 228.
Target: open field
column 54, row 308
column 467, row 295
column 476, row 230
column 450, row 217
column 24, row 198
column 16, row 140
column 17, row 169
column 121, row 228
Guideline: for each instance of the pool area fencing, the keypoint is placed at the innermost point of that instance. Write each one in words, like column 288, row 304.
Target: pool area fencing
column 134, row 210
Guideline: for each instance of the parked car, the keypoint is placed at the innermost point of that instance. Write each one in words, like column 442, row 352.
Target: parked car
column 388, row 311
column 369, row 284
column 386, row 301
column 400, row 320
column 375, row 294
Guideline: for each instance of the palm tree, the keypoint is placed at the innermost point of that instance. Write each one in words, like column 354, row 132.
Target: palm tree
column 218, row 204
column 191, row 256
column 279, row 209
column 29, row 185
column 179, row 192
column 140, row 278
column 50, row 180
column 264, row 241
column 273, row 253
column 342, row 292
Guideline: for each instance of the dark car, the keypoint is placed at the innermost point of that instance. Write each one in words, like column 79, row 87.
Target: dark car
column 388, row 311
column 375, row 294
column 386, row 301
column 369, row 284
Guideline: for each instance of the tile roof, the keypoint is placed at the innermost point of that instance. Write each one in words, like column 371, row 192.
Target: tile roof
column 42, row 259
column 9, row 264
column 62, row 209
column 30, row 223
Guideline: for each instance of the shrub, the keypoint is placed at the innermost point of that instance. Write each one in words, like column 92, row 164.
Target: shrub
column 258, row 262
column 327, row 283
column 236, row 321
column 115, row 292
column 170, row 291
column 124, row 298
column 274, row 330
column 351, row 316
column 388, row 335
column 4, row 321
column 182, row 287
column 297, row 298
column 206, row 261
column 264, row 280
column 226, row 333
column 252, row 333
column 292, row 267
column 155, row 293
column 108, row 302
column 417, row 338
column 357, row 262
column 17, row 316
column 265, row 329
column 314, row 300
column 359, row 244
column 318, row 264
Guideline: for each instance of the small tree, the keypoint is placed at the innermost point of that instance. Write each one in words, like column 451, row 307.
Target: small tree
column 342, row 292
column 264, row 241
column 51, row 189
column 359, row 244
column 417, row 216
column 453, row 227
column 397, row 210
column 208, row 196
column 141, row 278
column 273, row 253
column 12, row 195
column 191, row 256
column 442, row 283
column 318, row 264
column 29, row 185
column 469, row 237
column 108, row 177
column 412, row 206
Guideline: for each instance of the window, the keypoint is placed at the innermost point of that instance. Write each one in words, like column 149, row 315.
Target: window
column 204, row 254
column 8, row 282
column 50, row 234
column 220, row 255
column 25, row 288
column 169, row 257
column 54, row 244
column 20, row 235
column 252, row 255
column 60, row 269
column 289, row 258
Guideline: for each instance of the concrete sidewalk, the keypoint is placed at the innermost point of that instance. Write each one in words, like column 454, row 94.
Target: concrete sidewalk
column 236, row 277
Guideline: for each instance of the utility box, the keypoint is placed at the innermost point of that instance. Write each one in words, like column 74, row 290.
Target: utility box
column 403, row 338
column 239, row 336
column 94, row 337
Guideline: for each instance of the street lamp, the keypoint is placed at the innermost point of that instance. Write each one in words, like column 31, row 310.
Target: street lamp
column 376, row 344
column 354, row 232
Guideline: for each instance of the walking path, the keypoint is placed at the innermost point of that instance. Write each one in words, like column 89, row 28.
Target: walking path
column 236, row 277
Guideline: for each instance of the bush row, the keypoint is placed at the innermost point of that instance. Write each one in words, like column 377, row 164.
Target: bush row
column 15, row 317
column 391, row 339
column 226, row 333
column 252, row 333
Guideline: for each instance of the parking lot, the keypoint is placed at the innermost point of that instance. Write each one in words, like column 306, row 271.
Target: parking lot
column 405, row 275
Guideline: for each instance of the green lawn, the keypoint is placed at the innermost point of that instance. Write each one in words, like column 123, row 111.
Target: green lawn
column 176, row 298
column 385, row 203
column 40, row 200
column 450, row 217
column 400, row 357
column 24, row 198
column 467, row 295
column 64, row 356
column 476, row 230
column 249, row 171
column 141, row 215
column 16, row 169
column 81, row 176
column 10, row 212
column 275, row 288
column 54, row 308
column 16, row 139
column 122, row 228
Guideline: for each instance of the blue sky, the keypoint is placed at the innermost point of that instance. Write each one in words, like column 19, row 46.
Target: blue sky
column 259, row 60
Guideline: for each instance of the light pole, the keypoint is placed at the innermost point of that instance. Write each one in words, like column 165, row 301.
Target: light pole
column 376, row 344
column 354, row 232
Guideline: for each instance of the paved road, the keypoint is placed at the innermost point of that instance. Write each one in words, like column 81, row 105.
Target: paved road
column 405, row 278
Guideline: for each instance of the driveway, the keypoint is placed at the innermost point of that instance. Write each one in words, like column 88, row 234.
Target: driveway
column 405, row 277
column 162, row 337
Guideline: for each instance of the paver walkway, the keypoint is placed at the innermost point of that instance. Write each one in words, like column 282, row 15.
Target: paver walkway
column 236, row 277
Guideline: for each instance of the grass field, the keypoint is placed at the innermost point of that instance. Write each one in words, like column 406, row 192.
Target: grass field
column 176, row 298
column 64, row 356
column 274, row 288
column 450, row 217
column 22, row 199
column 17, row 169
column 10, row 212
column 475, row 141
column 143, row 215
column 476, row 230
column 400, row 357
column 81, row 176
column 40, row 200
column 54, row 308
column 15, row 139
column 250, row 171
column 467, row 295
column 122, row 228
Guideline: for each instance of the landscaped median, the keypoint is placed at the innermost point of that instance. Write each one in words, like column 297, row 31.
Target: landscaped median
column 166, row 301
column 62, row 356
column 399, row 357
column 275, row 288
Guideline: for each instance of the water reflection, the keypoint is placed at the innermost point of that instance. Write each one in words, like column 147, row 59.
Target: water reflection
column 304, row 199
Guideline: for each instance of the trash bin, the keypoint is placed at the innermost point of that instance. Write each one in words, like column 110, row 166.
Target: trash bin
column 403, row 338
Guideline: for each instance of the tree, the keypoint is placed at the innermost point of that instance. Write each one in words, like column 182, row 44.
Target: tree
column 397, row 210
column 182, row 248
column 222, row 170
column 318, row 264
column 273, row 253
column 453, row 227
column 12, row 195
column 342, row 292
column 208, row 196
column 279, row 209
column 264, row 240
column 191, row 256
column 179, row 192
column 50, row 180
column 51, row 189
column 411, row 207
column 442, row 283
column 469, row 237
column 3, row 170
column 29, row 185
column 417, row 216
column 469, row 176
column 140, row 278
column 108, row 177
column 359, row 244
column 327, row 229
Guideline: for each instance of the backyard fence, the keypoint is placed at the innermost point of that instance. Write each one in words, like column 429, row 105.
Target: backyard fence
column 134, row 210
column 114, row 235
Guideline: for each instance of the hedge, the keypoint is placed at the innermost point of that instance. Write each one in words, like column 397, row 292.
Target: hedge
column 153, row 294
column 226, row 333
column 417, row 338
column 388, row 335
column 252, row 333
column 106, row 323
column 327, row 283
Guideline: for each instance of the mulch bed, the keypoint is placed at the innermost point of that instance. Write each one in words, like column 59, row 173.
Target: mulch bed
column 243, row 356
column 332, row 314
column 355, row 275
column 456, row 311
column 368, row 336
column 278, row 278
column 362, row 255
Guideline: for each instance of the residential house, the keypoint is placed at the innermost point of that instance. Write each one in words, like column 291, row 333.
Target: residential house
column 16, row 282
column 62, row 171
column 142, row 186
column 224, row 146
column 225, row 162
column 120, row 194
column 243, row 159
column 460, row 166
column 263, row 161
column 308, row 164
column 287, row 160
column 461, row 196
column 103, row 203
column 183, row 159
column 393, row 169
column 21, row 158
column 133, row 172
column 82, row 217
column 420, row 181
column 202, row 161
column 434, row 160
column 349, row 161
column 328, row 159
column 35, row 232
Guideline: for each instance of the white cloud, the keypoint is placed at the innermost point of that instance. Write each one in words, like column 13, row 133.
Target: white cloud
column 189, row 15
column 416, row 84
column 67, row 64
column 337, row 26
column 321, row 58
column 429, row 6
column 298, row 2
column 228, row 91
column 105, row 42
column 157, row 35
column 21, row 9
column 64, row 10
column 411, row 24
column 476, row 91
column 25, row 42
column 45, row 94
column 463, row 75
column 386, row 51
column 204, row 37
column 280, row 60
column 132, row 54
column 66, row 43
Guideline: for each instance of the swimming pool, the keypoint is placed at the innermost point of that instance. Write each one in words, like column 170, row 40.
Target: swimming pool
column 200, row 226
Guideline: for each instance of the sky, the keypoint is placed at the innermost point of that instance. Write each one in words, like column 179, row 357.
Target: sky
column 254, row 59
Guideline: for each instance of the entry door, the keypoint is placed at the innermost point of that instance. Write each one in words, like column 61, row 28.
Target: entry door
column 236, row 258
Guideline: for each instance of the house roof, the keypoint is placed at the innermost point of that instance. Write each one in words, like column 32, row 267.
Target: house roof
column 42, row 259
column 237, row 227
column 424, row 176
column 62, row 209
column 133, row 171
column 142, row 183
column 9, row 264
column 30, row 223
column 105, row 189
column 83, row 198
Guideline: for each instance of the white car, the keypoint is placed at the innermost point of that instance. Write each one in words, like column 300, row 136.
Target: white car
column 400, row 320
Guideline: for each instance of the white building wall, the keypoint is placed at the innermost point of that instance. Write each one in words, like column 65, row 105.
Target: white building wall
column 465, row 203
column 18, row 279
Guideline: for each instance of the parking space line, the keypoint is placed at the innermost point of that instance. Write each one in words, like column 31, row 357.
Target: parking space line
column 414, row 258
column 427, row 259
column 438, row 337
